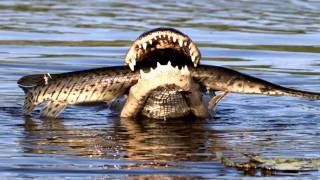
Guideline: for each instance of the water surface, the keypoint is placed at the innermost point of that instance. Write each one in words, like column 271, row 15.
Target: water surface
column 276, row 41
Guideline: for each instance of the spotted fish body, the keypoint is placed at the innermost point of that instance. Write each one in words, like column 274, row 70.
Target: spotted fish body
column 223, row 79
column 61, row 90
column 107, row 84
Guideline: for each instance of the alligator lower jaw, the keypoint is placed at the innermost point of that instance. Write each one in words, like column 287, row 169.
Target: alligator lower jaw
column 165, row 92
column 162, row 45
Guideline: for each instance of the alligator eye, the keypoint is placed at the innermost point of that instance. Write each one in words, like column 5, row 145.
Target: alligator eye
column 162, row 45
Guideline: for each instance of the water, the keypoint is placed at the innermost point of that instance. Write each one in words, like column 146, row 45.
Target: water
column 275, row 40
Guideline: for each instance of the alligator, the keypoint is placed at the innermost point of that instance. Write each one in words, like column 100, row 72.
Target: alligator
column 162, row 78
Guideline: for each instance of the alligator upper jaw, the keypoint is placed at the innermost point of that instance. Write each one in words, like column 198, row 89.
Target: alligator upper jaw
column 162, row 45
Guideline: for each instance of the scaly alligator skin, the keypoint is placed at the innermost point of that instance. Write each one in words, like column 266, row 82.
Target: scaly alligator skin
column 164, row 80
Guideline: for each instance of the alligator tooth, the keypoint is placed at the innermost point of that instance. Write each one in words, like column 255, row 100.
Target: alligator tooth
column 144, row 46
column 131, row 66
column 150, row 41
column 169, row 64
column 155, row 38
column 185, row 43
column 195, row 63
column 176, row 68
column 187, row 69
column 192, row 52
column 158, row 64
column 174, row 39
column 182, row 71
column 180, row 42
column 193, row 58
column 142, row 74
column 133, row 61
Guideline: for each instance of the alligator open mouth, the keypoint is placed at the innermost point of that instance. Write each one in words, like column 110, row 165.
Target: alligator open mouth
column 166, row 90
column 162, row 45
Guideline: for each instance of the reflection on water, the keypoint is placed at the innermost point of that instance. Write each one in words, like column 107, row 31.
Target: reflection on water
column 143, row 139
column 273, row 40
column 128, row 144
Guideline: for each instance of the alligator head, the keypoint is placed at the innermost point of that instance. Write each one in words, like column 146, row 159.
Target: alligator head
column 166, row 89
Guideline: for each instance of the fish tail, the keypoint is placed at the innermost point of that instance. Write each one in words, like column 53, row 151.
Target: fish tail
column 224, row 79
column 258, row 86
column 300, row 93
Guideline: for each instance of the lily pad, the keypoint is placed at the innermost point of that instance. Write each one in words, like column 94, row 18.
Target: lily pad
column 273, row 164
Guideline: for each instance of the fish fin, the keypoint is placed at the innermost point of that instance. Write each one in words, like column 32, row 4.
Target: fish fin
column 29, row 103
column 216, row 99
column 30, row 81
column 53, row 109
